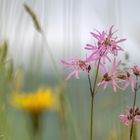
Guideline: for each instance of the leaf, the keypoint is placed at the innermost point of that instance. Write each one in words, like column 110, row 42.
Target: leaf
column 3, row 52
column 10, row 70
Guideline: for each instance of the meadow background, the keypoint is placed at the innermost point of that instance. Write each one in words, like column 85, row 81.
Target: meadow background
column 66, row 25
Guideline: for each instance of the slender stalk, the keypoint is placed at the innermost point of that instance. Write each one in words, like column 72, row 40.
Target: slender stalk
column 92, row 90
column 95, row 81
column 90, row 85
column 134, row 104
column 73, row 120
column 91, row 118
column 50, row 52
column 41, row 31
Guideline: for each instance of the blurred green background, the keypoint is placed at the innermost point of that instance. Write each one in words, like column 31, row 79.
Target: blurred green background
column 32, row 45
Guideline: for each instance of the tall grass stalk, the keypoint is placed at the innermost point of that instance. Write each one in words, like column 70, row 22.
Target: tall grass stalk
column 41, row 31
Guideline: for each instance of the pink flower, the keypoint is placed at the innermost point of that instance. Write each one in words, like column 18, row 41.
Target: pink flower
column 136, row 70
column 98, row 52
column 107, row 44
column 110, row 76
column 129, row 116
column 129, row 80
column 76, row 65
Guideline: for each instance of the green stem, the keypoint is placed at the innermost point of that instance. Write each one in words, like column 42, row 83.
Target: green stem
column 50, row 52
column 35, row 126
column 74, row 122
column 92, row 100
column 91, row 119
column 95, row 81
column 90, row 85
column 134, row 104
column 41, row 31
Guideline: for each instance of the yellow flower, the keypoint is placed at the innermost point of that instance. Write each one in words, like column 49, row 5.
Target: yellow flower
column 37, row 102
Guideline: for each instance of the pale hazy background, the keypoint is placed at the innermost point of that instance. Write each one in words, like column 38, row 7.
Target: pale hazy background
column 67, row 24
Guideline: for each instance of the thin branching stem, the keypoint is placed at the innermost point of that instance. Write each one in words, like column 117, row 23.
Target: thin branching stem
column 95, row 80
column 90, row 84
column 134, row 104
column 92, row 99
column 91, row 119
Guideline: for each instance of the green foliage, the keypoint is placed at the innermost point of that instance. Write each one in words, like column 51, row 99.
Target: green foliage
column 6, row 75
column 6, row 64
column 3, row 52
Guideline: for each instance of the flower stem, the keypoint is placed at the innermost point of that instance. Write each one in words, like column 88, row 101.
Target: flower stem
column 90, row 85
column 91, row 119
column 95, row 81
column 92, row 90
column 134, row 104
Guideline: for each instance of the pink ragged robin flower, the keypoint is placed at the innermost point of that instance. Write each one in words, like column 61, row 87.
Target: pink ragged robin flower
column 128, row 80
column 136, row 70
column 76, row 65
column 106, row 44
column 110, row 76
column 130, row 115
column 135, row 74
column 97, row 53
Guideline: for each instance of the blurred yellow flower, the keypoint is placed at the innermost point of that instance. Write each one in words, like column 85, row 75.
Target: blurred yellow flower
column 37, row 102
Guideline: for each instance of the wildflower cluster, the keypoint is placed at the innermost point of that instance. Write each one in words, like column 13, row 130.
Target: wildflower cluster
column 130, row 115
column 106, row 48
column 132, row 78
column 106, row 44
